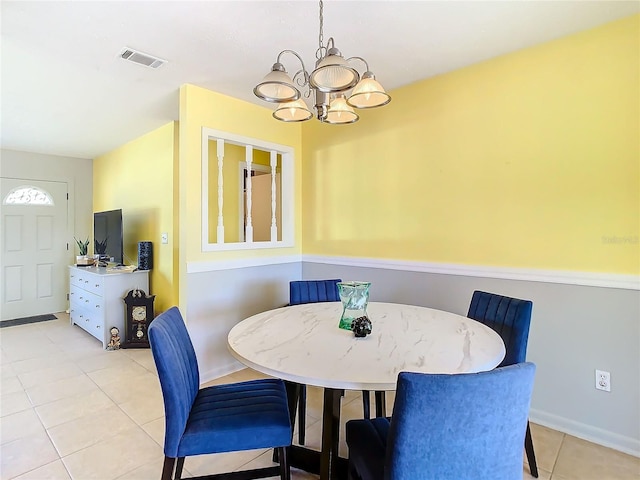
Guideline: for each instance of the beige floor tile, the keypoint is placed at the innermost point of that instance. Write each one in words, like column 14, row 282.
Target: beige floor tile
column 141, row 356
column 25, row 350
column 132, row 389
column 264, row 460
column 20, row 456
column 13, row 403
column 582, row 460
column 546, row 445
column 98, row 360
column 155, row 430
column 151, row 470
column 44, row 376
column 19, row 425
column 39, row 363
column 144, row 409
column 220, row 381
column 68, row 409
column 67, row 388
column 542, row 474
column 220, row 462
column 4, row 360
column 7, row 371
column 247, row 374
column 10, row 385
column 85, row 431
column 51, row 471
column 114, row 456
column 123, row 374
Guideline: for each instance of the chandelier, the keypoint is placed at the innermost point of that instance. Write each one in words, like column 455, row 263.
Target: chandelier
column 329, row 84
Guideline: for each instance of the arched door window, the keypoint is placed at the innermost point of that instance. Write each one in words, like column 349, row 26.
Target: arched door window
column 28, row 195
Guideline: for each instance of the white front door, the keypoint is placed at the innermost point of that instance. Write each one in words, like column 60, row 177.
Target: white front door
column 33, row 247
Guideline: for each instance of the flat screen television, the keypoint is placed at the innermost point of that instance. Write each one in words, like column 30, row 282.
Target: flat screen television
column 107, row 236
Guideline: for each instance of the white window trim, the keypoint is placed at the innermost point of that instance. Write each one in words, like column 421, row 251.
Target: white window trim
column 287, row 189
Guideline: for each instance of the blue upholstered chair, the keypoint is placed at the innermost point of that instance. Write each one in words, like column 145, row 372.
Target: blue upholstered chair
column 510, row 318
column 310, row 291
column 221, row 418
column 464, row 426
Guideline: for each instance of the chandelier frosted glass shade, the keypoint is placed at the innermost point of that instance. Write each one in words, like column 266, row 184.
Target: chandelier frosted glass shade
column 339, row 112
column 368, row 93
column 325, row 87
column 277, row 86
column 296, row 111
column 333, row 74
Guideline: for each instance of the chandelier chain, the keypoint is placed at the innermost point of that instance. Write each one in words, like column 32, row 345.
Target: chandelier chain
column 320, row 35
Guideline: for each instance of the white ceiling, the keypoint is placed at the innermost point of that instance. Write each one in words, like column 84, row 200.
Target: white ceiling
column 64, row 91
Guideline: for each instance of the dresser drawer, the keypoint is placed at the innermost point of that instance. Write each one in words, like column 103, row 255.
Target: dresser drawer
column 88, row 321
column 82, row 298
column 87, row 281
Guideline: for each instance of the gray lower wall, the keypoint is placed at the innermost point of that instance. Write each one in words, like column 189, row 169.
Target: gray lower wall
column 574, row 330
column 218, row 300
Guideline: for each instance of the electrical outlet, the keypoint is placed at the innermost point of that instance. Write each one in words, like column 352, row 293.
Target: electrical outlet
column 603, row 380
column 164, row 238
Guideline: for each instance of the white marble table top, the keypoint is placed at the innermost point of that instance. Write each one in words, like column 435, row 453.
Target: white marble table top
column 303, row 344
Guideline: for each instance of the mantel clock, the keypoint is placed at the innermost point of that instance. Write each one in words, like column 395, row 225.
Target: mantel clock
column 138, row 317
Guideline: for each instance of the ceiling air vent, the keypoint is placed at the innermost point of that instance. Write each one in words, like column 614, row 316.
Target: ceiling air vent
column 141, row 58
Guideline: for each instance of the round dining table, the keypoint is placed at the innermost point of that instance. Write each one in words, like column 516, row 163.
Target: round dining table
column 302, row 344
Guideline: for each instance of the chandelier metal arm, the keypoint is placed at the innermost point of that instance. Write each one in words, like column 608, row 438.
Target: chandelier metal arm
column 331, row 78
column 297, row 56
column 366, row 65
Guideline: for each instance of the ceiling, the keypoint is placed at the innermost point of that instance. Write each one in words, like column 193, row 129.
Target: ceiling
column 65, row 91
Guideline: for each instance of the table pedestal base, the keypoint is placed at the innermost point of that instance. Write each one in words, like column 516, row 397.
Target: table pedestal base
column 326, row 463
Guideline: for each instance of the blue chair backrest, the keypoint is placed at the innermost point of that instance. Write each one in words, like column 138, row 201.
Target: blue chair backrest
column 313, row 291
column 462, row 426
column 177, row 367
column 510, row 317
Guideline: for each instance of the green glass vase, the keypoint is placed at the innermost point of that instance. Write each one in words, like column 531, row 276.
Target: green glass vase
column 354, row 297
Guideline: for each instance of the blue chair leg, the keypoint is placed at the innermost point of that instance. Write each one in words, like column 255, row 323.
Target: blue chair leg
column 285, row 471
column 531, row 456
column 167, row 468
column 179, row 466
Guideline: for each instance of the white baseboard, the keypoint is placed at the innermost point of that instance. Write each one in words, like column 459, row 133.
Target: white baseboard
column 592, row 434
column 221, row 371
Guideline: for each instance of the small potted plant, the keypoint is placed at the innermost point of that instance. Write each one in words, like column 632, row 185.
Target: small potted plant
column 83, row 259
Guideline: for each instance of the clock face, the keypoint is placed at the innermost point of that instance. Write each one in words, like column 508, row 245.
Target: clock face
column 139, row 333
column 139, row 314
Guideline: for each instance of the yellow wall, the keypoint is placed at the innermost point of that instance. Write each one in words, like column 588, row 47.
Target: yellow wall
column 528, row 160
column 203, row 108
column 139, row 178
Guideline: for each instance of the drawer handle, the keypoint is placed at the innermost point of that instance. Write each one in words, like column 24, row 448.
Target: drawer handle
column 97, row 285
column 86, row 301
column 86, row 281
column 98, row 326
column 86, row 319
column 97, row 306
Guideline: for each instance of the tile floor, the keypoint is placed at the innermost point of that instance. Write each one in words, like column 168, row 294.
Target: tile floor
column 70, row 410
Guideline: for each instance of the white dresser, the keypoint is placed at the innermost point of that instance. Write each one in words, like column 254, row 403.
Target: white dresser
column 96, row 298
